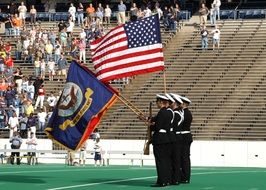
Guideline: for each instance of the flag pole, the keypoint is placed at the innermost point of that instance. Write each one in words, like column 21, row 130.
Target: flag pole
column 164, row 81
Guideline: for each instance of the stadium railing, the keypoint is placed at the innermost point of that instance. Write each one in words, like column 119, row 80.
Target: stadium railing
column 243, row 14
column 42, row 156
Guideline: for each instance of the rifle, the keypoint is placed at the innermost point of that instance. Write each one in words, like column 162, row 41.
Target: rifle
column 146, row 149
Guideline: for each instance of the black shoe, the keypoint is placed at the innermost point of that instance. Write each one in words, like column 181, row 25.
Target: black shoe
column 159, row 185
column 174, row 183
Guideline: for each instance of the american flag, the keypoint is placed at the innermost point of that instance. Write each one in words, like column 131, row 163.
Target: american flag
column 130, row 49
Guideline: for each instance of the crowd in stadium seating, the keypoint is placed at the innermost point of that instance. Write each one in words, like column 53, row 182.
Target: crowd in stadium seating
column 47, row 50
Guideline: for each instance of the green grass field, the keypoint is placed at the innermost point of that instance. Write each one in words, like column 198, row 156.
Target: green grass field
column 55, row 177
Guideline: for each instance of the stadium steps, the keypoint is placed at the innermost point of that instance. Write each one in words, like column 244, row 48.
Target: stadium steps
column 225, row 86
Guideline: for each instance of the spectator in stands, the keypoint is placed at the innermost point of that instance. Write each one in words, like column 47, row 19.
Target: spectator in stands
column 9, row 63
column 203, row 13
column 25, row 85
column 31, row 91
column 8, row 48
column 57, row 52
column 37, row 84
column 90, row 13
column 18, row 50
column 158, row 11
column 51, row 100
column 49, row 50
column 42, row 114
column 40, row 97
column 213, row 15
column 17, row 104
column 8, row 26
column 17, row 24
column 52, row 37
column 37, row 66
column 217, row 4
column 80, row 11
column 33, row 15
column 62, row 65
column 22, row 9
column 61, row 26
column 133, row 12
column 51, row 69
column 3, row 87
column 121, row 15
column 82, row 34
column 204, row 38
column 28, row 107
column 13, row 123
column 166, row 17
column 42, row 68
column 2, row 63
column 107, row 15
column 23, row 125
column 177, row 12
column 16, row 142
column 70, row 27
column 82, row 154
column 18, row 75
column 216, row 38
column 9, row 96
column 82, row 51
column 63, row 39
column 147, row 12
column 3, row 115
column 12, row 9
column 31, row 124
column 72, row 12
column 32, row 143
column 97, row 152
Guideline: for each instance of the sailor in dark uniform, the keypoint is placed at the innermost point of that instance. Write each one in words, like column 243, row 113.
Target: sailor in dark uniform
column 161, row 141
column 186, row 142
column 178, row 119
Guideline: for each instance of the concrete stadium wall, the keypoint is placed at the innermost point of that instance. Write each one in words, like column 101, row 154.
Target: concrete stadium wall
column 203, row 153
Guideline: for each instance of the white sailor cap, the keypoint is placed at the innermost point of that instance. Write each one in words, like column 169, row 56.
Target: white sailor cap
column 185, row 99
column 176, row 98
column 169, row 97
column 161, row 97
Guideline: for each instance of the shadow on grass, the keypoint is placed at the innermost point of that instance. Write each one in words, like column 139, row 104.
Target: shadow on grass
column 22, row 179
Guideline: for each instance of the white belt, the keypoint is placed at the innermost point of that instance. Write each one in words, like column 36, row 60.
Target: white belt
column 162, row 131
column 185, row 132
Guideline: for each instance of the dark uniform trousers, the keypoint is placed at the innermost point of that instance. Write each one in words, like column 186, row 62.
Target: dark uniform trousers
column 176, row 160
column 162, row 154
column 185, row 157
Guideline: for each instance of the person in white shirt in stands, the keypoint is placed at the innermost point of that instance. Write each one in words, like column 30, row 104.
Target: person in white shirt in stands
column 42, row 118
column 216, row 37
column 72, row 11
column 51, row 100
column 107, row 15
column 13, row 124
column 217, row 4
column 82, row 34
column 22, row 9
column 147, row 12
column 32, row 143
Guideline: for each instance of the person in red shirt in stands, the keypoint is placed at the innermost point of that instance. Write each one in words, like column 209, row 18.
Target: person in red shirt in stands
column 8, row 48
column 9, row 63
column 40, row 98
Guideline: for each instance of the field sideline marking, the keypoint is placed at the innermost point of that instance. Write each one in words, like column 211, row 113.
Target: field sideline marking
column 133, row 179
